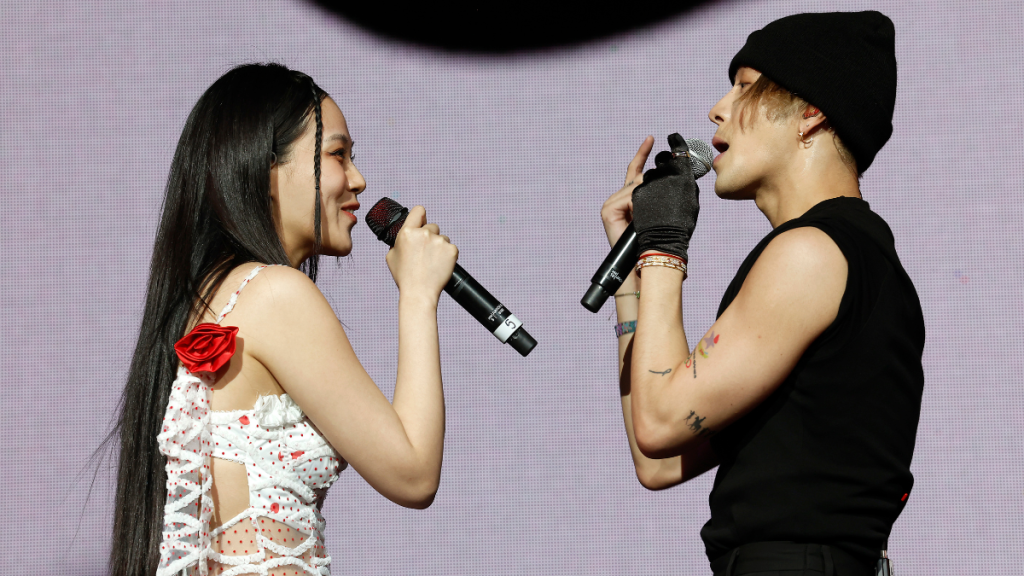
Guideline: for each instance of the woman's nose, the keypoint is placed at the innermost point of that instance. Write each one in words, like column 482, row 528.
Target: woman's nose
column 356, row 182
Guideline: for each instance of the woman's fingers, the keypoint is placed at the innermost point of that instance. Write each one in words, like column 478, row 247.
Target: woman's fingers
column 417, row 217
column 636, row 166
column 433, row 228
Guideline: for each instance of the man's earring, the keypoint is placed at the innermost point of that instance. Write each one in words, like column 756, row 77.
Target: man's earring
column 807, row 142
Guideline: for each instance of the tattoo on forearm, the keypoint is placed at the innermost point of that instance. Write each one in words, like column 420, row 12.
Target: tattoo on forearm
column 662, row 373
column 696, row 425
column 703, row 350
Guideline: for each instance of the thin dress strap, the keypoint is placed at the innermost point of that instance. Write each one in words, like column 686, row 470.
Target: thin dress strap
column 234, row 297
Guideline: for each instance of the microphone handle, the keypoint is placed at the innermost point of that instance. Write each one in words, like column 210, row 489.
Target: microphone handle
column 498, row 320
column 613, row 271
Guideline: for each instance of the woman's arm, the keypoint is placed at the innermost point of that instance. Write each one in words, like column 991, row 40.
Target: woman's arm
column 655, row 474
column 396, row 447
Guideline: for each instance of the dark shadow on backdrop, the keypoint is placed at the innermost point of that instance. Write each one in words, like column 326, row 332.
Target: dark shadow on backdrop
column 503, row 26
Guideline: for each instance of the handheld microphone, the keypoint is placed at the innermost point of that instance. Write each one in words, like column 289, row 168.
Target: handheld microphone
column 623, row 257
column 386, row 218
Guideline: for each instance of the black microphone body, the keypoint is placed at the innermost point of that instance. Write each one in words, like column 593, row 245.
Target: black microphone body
column 498, row 319
column 386, row 218
column 613, row 271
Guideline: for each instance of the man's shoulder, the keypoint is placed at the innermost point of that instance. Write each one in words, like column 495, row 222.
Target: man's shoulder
column 800, row 260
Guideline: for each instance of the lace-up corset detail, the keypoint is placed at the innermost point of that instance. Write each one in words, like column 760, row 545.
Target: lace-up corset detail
column 289, row 466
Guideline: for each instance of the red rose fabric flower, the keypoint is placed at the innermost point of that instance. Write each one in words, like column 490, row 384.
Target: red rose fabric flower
column 207, row 347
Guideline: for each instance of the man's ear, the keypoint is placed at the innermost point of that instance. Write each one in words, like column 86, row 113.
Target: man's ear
column 811, row 120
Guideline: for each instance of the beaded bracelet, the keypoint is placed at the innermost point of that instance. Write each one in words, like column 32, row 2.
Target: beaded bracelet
column 637, row 294
column 623, row 328
column 666, row 260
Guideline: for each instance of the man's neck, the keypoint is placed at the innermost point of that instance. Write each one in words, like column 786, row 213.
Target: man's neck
column 795, row 190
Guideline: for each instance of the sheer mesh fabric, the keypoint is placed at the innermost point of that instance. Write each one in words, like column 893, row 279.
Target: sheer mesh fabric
column 240, row 540
column 288, row 466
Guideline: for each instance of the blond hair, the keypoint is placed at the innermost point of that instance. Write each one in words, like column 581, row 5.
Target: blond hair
column 777, row 105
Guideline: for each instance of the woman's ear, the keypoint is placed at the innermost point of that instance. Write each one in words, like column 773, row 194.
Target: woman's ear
column 274, row 176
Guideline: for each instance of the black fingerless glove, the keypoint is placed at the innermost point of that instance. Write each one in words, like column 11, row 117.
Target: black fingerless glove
column 665, row 206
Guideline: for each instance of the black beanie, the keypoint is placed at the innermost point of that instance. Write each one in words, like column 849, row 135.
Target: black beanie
column 844, row 63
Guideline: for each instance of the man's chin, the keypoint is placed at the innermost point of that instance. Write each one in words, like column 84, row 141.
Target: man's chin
column 726, row 192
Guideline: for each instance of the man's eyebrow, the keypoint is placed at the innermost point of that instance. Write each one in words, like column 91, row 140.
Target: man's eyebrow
column 343, row 138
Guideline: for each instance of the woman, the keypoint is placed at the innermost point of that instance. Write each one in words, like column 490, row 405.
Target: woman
column 234, row 424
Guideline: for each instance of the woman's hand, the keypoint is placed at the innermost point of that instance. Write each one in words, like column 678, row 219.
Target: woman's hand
column 422, row 259
column 617, row 211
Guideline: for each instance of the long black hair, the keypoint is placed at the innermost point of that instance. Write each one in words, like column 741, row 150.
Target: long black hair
column 217, row 214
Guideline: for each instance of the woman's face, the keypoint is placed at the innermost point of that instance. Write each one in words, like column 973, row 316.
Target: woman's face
column 293, row 189
column 751, row 149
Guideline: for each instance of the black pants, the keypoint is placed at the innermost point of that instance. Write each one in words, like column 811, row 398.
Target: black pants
column 788, row 559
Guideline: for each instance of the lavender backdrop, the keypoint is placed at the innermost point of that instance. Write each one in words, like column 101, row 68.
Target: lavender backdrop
column 513, row 157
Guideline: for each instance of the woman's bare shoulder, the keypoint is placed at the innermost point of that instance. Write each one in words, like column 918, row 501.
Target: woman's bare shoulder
column 285, row 318
column 279, row 290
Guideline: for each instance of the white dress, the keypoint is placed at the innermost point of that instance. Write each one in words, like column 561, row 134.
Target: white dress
column 289, row 466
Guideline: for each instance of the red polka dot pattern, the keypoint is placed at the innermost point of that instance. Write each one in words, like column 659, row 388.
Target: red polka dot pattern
column 288, row 465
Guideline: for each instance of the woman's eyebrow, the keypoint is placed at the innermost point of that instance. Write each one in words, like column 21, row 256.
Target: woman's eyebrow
column 343, row 138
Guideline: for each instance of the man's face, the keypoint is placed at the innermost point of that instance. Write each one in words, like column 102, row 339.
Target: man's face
column 752, row 148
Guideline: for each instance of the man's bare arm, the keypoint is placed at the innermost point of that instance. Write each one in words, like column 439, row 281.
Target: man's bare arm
column 790, row 296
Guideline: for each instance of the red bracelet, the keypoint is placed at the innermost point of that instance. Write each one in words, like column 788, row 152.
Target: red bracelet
column 683, row 260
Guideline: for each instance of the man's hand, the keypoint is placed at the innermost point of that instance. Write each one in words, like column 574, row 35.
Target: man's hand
column 665, row 206
column 617, row 211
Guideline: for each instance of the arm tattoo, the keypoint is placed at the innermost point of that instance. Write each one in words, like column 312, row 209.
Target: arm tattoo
column 703, row 350
column 696, row 425
column 662, row 373
column 707, row 343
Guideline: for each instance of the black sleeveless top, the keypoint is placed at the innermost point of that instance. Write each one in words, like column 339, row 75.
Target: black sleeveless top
column 825, row 459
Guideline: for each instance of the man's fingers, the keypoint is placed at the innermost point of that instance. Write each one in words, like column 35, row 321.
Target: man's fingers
column 680, row 152
column 677, row 144
column 637, row 165
column 663, row 157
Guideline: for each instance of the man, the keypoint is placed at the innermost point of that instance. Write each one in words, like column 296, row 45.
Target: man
column 806, row 391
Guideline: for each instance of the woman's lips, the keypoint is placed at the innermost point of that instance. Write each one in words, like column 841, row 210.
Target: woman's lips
column 349, row 209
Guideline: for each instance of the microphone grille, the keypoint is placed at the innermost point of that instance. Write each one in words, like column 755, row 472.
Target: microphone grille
column 700, row 156
column 385, row 219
